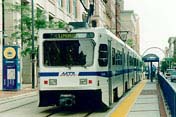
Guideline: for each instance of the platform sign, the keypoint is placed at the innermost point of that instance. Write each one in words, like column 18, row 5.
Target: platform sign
column 11, row 68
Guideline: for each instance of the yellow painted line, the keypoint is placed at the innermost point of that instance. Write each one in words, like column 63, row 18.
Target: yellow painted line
column 125, row 106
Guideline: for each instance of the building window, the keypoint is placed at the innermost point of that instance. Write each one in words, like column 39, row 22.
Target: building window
column 94, row 23
column 51, row 21
column 60, row 3
column 68, row 6
column 75, row 8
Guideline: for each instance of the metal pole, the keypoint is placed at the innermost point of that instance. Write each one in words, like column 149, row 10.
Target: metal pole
column 32, row 54
column 117, row 34
column 3, row 22
column 151, row 70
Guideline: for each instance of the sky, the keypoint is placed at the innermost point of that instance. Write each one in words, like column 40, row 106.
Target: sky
column 157, row 22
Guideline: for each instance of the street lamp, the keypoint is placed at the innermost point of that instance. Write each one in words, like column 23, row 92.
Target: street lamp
column 123, row 35
column 33, row 54
column 90, row 10
column 3, row 22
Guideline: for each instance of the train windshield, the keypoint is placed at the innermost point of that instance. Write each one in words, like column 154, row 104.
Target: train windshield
column 68, row 52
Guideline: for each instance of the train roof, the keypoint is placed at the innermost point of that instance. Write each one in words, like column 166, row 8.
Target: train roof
column 101, row 30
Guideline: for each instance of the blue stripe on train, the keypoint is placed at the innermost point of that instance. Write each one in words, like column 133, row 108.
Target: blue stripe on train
column 102, row 73
column 46, row 74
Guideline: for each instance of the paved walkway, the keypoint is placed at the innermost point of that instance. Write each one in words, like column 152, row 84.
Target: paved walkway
column 144, row 100
column 147, row 103
column 26, row 89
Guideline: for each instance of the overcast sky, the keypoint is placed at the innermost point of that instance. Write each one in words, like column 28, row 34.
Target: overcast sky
column 157, row 21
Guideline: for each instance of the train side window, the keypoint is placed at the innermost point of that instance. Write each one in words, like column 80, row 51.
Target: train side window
column 124, row 58
column 103, row 55
column 135, row 62
column 118, row 58
column 113, row 56
column 131, row 61
column 128, row 59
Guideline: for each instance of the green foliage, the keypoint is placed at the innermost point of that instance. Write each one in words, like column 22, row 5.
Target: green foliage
column 164, row 66
column 23, row 30
column 60, row 24
column 40, row 21
column 174, row 59
column 167, row 63
column 130, row 42
column 56, row 25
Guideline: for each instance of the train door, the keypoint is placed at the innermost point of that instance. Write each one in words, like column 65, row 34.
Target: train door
column 128, row 68
column 136, row 71
column 134, row 66
column 110, row 77
column 123, row 68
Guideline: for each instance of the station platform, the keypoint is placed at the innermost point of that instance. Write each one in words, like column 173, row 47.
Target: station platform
column 25, row 90
column 145, row 100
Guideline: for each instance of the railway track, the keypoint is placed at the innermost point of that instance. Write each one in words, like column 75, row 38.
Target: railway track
column 10, row 104
column 70, row 112
column 29, row 106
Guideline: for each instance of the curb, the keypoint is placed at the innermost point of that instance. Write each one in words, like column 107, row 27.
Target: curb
column 19, row 96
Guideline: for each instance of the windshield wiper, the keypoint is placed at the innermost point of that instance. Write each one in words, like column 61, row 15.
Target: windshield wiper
column 68, row 66
column 85, row 66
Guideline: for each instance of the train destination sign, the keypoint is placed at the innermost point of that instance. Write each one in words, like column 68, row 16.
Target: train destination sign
column 68, row 35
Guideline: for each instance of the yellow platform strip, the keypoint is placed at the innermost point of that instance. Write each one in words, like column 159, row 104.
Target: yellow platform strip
column 125, row 106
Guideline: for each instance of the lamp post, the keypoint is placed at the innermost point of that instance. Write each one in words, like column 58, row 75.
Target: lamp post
column 116, row 17
column 123, row 37
column 3, row 22
column 90, row 10
column 33, row 54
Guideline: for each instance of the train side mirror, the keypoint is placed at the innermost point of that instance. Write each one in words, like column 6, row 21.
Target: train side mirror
column 103, row 55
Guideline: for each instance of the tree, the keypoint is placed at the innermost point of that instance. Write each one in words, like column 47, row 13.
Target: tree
column 130, row 42
column 164, row 66
column 23, row 27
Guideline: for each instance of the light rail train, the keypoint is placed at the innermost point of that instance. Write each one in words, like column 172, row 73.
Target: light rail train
column 85, row 65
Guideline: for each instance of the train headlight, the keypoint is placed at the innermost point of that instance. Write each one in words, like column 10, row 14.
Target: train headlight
column 52, row 81
column 83, row 81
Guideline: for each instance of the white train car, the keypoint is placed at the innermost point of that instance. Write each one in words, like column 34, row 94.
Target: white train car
column 84, row 65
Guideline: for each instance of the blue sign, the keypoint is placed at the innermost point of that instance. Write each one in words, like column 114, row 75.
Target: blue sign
column 11, row 68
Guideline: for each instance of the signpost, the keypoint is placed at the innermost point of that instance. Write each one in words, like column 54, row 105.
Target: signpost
column 11, row 68
column 151, row 58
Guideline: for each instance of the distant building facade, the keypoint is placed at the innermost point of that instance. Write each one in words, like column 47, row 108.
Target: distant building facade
column 107, row 14
column 130, row 23
column 55, row 10
column 172, row 47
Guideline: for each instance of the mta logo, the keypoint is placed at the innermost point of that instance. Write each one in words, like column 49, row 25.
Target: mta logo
column 68, row 74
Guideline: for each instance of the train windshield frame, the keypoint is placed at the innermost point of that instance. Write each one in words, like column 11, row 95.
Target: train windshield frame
column 77, row 52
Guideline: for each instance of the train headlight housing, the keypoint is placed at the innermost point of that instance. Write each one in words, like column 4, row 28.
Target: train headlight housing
column 52, row 81
column 83, row 81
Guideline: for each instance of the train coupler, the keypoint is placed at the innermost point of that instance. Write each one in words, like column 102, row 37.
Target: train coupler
column 67, row 100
